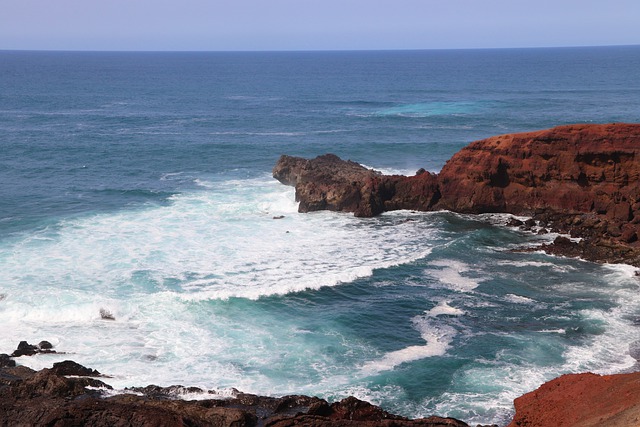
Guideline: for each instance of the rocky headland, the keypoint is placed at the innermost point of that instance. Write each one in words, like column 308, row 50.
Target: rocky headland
column 581, row 180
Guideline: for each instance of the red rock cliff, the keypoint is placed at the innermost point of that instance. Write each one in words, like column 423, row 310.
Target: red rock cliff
column 570, row 169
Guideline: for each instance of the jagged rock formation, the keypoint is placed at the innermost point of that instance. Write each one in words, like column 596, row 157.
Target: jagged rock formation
column 59, row 397
column 582, row 400
column 330, row 183
column 579, row 179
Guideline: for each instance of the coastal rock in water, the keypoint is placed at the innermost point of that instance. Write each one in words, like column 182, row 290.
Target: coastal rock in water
column 582, row 400
column 106, row 314
column 26, row 349
column 577, row 179
column 45, row 345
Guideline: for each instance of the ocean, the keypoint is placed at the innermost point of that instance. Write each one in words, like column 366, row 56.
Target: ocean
column 139, row 185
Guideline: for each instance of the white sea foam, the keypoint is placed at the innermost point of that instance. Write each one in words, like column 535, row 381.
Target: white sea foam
column 610, row 351
column 437, row 333
column 518, row 299
column 540, row 264
column 422, row 109
column 453, row 274
column 389, row 171
column 443, row 308
column 487, row 392
column 158, row 269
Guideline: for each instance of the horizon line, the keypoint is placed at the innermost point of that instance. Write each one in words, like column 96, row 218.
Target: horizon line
column 314, row 50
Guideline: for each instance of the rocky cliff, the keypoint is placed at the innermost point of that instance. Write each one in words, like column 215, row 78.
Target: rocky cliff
column 578, row 179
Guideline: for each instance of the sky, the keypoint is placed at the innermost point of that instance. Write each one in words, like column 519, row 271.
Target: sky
column 213, row 25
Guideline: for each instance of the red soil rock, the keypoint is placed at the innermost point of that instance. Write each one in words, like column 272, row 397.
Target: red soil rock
column 582, row 400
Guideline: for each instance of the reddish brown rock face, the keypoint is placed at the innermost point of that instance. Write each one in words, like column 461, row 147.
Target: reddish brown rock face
column 582, row 400
column 573, row 169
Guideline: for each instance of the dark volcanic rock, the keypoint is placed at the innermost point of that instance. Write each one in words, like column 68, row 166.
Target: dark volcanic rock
column 69, row 367
column 49, row 397
column 26, row 349
column 6, row 361
column 578, row 179
column 45, row 345
column 106, row 314
column 330, row 183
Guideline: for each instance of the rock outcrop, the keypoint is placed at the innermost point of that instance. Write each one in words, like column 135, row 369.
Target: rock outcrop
column 578, row 179
column 582, row 400
column 69, row 395
column 330, row 183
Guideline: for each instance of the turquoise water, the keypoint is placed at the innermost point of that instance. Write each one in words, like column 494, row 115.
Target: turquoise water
column 139, row 183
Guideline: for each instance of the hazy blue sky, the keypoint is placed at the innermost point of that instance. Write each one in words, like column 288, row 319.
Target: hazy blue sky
column 312, row 24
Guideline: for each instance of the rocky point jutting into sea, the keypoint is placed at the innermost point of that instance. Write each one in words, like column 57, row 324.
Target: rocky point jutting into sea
column 579, row 179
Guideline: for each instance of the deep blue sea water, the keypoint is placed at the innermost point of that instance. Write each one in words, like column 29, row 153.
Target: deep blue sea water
column 139, row 183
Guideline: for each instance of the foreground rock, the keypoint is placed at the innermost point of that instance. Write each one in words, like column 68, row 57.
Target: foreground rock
column 582, row 400
column 51, row 398
column 578, row 179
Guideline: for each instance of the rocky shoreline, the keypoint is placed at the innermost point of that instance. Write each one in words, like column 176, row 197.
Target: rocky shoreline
column 579, row 180
column 69, row 394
